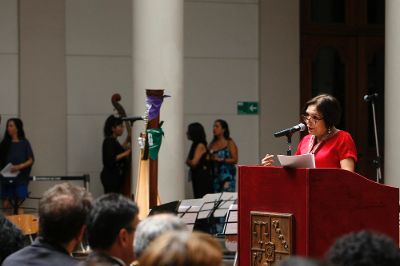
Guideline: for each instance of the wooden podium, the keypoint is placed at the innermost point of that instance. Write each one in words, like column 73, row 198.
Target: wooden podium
column 285, row 211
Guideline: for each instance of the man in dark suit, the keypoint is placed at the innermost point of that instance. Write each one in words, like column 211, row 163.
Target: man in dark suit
column 111, row 229
column 63, row 210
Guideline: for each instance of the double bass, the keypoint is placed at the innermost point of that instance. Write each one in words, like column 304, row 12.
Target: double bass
column 127, row 184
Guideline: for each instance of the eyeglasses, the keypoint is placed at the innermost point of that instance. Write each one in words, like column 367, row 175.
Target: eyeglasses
column 311, row 118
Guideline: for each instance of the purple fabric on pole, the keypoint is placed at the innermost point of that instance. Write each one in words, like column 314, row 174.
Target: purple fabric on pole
column 155, row 105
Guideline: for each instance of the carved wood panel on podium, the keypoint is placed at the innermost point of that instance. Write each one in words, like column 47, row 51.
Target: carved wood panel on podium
column 302, row 211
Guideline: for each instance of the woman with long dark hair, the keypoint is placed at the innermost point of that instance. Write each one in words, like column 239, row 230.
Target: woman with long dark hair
column 224, row 155
column 16, row 150
column 197, row 160
column 114, row 156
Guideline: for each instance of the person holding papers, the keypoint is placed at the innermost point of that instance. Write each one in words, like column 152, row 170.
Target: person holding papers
column 332, row 148
column 15, row 154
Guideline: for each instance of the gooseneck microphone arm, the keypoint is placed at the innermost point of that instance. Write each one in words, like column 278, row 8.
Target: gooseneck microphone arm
column 288, row 133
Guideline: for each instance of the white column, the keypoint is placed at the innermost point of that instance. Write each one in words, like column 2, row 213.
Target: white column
column 158, row 64
column 392, row 93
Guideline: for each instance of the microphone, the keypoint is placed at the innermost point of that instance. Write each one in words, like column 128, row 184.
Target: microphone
column 371, row 97
column 290, row 130
column 132, row 118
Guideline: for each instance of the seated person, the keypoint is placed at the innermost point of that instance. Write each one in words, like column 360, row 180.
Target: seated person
column 154, row 226
column 363, row 248
column 111, row 228
column 63, row 210
column 11, row 238
column 183, row 249
column 299, row 261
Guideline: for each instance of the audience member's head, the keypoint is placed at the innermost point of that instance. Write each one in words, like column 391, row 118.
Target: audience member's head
column 111, row 226
column 299, row 261
column 63, row 210
column 152, row 227
column 363, row 249
column 180, row 248
column 11, row 238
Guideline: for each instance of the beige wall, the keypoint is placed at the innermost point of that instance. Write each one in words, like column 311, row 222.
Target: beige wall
column 9, row 56
column 221, row 68
column 99, row 64
column 279, row 72
column 42, row 89
column 78, row 52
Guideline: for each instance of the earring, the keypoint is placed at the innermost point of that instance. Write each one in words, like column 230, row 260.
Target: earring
column 329, row 131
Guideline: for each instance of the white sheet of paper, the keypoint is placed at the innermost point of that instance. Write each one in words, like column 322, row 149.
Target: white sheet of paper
column 297, row 161
column 231, row 229
column 208, row 206
column 220, row 212
column 204, row 214
column 233, row 216
column 189, row 218
column 229, row 196
column 190, row 205
column 6, row 172
column 212, row 197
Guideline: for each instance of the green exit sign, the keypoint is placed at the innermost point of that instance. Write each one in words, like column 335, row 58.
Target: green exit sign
column 247, row 108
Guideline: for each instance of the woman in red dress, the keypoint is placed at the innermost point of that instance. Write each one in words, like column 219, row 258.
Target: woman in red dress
column 332, row 148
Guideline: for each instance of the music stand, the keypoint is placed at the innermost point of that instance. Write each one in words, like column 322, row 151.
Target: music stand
column 214, row 209
column 170, row 207
column 188, row 211
column 230, row 232
column 231, row 221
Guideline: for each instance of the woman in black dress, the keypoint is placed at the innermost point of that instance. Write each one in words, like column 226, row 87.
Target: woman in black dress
column 114, row 156
column 197, row 160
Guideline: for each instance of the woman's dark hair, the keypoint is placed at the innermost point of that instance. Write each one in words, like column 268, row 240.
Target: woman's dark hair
column 328, row 106
column 110, row 213
column 196, row 133
column 111, row 122
column 6, row 142
column 225, row 127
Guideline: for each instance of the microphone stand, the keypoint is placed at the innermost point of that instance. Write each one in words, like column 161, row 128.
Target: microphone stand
column 289, row 143
column 377, row 161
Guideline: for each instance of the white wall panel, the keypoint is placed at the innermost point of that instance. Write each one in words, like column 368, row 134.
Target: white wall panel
column 215, row 85
column 8, row 26
column 221, row 30
column 8, row 83
column 225, row 1
column 279, row 72
column 98, row 27
column 85, row 138
column 91, row 82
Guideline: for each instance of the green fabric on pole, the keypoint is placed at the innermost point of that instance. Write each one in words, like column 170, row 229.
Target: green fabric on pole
column 154, row 136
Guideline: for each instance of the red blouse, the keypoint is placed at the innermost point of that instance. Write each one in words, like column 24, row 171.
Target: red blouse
column 330, row 152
